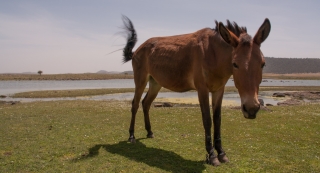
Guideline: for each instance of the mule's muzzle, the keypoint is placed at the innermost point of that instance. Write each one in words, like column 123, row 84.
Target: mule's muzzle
column 251, row 112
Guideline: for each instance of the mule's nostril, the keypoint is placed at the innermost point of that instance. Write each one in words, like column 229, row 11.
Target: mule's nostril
column 244, row 108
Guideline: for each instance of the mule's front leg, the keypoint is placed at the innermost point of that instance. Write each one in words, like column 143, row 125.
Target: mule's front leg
column 216, row 107
column 217, row 137
column 207, row 123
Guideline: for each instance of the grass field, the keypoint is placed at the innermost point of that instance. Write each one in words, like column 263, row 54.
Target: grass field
column 90, row 136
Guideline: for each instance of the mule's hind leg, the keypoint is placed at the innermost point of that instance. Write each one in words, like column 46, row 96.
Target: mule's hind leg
column 154, row 88
column 140, row 86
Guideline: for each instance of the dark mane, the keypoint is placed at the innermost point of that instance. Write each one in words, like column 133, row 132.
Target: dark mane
column 233, row 27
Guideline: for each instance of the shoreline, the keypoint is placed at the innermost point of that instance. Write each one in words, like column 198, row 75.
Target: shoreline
column 99, row 76
column 272, row 96
column 103, row 91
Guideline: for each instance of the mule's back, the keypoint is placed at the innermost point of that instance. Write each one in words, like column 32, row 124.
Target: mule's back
column 175, row 61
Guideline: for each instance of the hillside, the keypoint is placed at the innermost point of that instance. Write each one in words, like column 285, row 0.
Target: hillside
column 292, row 65
column 107, row 72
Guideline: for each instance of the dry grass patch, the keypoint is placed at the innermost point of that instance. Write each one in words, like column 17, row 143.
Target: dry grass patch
column 81, row 76
column 309, row 76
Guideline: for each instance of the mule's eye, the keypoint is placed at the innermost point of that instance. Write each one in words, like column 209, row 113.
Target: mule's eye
column 235, row 65
column 263, row 65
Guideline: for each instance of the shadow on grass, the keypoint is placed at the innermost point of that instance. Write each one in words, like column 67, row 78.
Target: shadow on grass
column 139, row 152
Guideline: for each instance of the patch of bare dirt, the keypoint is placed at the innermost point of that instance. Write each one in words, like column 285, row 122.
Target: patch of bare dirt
column 290, row 102
column 310, row 95
column 298, row 98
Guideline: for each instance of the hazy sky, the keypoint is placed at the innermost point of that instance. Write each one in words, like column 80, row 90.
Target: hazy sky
column 75, row 36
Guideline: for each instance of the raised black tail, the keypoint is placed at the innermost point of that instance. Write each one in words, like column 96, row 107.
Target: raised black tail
column 131, row 39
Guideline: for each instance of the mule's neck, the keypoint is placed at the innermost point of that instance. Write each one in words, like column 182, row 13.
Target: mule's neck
column 218, row 63
column 222, row 56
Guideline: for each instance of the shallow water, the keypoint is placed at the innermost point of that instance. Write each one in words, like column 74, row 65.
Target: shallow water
column 11, row 87
column 229, row 99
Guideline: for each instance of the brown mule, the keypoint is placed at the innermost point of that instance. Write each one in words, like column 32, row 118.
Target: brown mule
column 202, row 61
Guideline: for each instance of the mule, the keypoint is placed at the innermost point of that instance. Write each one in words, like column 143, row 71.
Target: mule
column 201, row 61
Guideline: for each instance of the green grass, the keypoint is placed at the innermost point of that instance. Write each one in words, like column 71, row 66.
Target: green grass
column 70, row 93
column 92, row 92
column 74, row 93
column 90, row 136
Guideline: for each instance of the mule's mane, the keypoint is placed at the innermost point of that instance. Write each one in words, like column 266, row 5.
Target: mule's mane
column 233, row 27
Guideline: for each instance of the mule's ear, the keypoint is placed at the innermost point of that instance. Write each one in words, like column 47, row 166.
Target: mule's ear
column 263, row 32
column 228, row 36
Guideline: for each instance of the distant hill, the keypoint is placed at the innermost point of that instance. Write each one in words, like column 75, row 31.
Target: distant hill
column 292, row 65
column 114, row 72
column 29, row 73
column 274, row 65
column 127, row 72
column 107, row 72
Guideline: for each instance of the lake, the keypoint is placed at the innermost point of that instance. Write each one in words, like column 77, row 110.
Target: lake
column 230, row 99
column 11, row 87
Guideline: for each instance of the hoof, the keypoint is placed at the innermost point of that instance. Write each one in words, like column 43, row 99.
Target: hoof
column 150, row 135
column 223, row 158
column 213, row 160
column 132, row 140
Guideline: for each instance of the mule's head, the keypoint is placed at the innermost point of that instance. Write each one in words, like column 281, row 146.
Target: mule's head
column 248, row 62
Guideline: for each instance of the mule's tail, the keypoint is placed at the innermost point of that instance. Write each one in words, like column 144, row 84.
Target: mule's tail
column 131, row 39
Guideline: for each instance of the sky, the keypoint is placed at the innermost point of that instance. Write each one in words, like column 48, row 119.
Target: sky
column 77, row 36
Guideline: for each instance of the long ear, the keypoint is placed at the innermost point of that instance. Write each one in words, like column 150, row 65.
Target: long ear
column 228, row 36
column 263, row 32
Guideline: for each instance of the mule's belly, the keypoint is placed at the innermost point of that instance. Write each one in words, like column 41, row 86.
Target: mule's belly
column 179, row 87
column 173, row 80
column 174, row 72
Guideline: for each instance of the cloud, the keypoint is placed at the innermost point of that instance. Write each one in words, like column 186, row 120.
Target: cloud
column 42, row 42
